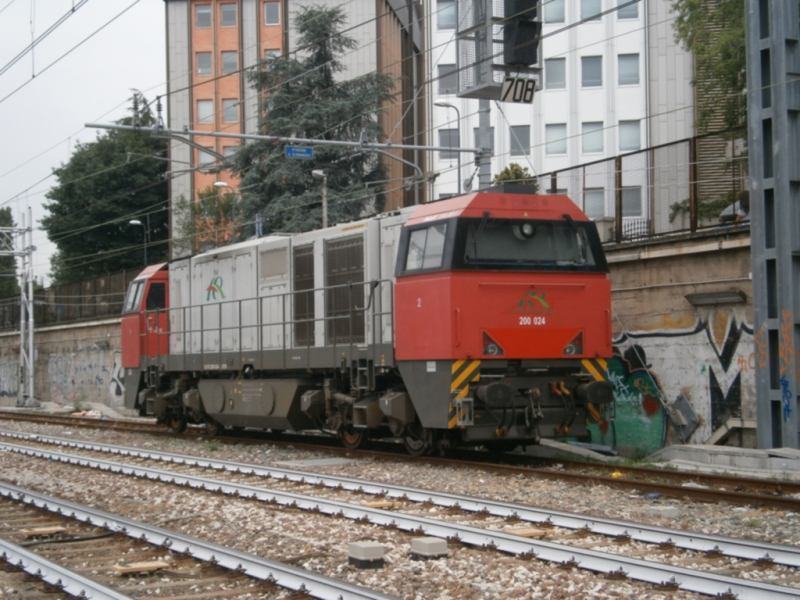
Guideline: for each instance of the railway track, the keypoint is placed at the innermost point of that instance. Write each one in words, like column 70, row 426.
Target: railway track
column 576, row 535
column 739, row 491
column 136, row 560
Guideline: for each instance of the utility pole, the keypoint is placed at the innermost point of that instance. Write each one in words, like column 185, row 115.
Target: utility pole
column 18, row 242
column 772, row 99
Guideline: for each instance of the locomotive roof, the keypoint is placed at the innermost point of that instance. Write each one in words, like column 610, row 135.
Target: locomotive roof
column 506, row 201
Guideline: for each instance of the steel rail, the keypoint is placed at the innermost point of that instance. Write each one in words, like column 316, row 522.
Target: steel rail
column 642, row 570
column 700, row 542
column 287, row 576
column 63, row 578
column 773, row 494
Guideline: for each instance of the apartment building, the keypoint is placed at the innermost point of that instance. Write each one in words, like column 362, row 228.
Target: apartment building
column 610, row 84
column 210, row 42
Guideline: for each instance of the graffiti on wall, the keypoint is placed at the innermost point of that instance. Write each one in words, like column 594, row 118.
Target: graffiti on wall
column 9, row 379
column 91, row 374
column 711, row 364
column 638, row 425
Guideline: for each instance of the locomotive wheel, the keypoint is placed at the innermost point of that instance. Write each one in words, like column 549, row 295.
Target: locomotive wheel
column 177, row 422
column 419, row 441
column 212, row 427
column 352, row 439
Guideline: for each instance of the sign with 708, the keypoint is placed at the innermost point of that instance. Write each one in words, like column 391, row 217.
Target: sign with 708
column 518, row 89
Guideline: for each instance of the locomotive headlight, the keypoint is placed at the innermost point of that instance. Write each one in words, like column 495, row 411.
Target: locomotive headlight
column 524, row 231
column 575, row 346
column 490, row 347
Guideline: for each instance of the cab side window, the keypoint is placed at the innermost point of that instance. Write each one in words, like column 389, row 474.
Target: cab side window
column 426, row 247
column 156, row 296
column 134, row 298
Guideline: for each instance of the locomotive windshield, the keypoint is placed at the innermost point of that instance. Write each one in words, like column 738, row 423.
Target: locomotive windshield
column 488, row 243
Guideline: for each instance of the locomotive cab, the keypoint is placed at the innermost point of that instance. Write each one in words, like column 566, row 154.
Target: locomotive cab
column 144, row 325
column 502, row 304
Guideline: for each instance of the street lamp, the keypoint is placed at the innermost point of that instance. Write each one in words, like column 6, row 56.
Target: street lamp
column 444, row 104
column 222, row 184
column 319, row 174
column 144, row 237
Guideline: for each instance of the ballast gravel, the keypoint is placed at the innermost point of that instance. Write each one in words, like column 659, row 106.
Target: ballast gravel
column 320, row 543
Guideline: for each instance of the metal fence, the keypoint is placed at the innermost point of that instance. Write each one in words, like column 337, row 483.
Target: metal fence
column 91, row 299
column 675, row 188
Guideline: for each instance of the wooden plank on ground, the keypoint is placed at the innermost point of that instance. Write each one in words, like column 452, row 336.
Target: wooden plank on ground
column 382, row 504
column 141, row 567
column 529, row 532
column 43, row 530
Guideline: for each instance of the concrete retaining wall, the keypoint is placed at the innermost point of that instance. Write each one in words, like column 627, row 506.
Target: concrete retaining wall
column 73, row 364
column 665, row 343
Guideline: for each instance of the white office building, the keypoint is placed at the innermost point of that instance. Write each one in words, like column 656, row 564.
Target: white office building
column 612, row 84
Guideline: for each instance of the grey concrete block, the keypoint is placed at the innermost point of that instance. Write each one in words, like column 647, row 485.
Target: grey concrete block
column 428, row 547
column 365, row 550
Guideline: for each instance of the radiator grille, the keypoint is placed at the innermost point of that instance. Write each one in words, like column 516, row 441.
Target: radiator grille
column 344, row 263
column 304, row 295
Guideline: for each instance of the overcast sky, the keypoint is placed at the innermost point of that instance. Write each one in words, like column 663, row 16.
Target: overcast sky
column 41, row 122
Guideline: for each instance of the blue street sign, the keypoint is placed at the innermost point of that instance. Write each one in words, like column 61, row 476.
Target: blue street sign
column 299, row 152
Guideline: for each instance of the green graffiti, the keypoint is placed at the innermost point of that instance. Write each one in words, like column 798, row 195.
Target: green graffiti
column 213, row 288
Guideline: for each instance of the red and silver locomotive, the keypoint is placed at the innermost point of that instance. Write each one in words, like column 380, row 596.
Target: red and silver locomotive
column 473, row 320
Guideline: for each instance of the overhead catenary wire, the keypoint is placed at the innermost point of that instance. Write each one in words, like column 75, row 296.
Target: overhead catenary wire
column 44, row 35
column 70, row 51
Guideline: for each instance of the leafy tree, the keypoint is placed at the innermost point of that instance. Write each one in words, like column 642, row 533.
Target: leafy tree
column 714, row 32
column 203, row 224
column 105, row 184
column 301, row 97
column 8, row 264
column 514, row 173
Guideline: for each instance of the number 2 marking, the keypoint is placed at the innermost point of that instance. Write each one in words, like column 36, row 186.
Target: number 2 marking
column 419, row 302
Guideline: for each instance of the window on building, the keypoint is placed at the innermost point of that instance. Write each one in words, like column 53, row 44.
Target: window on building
column 591, row 71
column 555, row 138
column 448, row 79
column 628, row 69
column 230, row 62
column 229, row 151
column 202, row 16
column 446, row 14
column 272, row 13
column 476, row 134
column 448, row 138
column 204, row 63
column 592, row 136
column 205, row 159
column 629, row 12
column 594, row 203
column 554, row 11
column 205, row 111
column 227, row 13
column 555, row 73
column 629, row 136
column 591, row 9
column 230, row 111
column 272, row 54
column 520, row 137
column 632, row 202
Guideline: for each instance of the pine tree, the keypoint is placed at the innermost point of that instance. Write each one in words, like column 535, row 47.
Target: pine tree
column 302, row 97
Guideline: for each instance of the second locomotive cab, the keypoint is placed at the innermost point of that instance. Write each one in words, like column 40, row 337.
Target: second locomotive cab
column 480, row 319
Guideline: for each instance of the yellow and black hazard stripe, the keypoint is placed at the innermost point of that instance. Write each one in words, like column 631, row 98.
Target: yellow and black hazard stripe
column 597, row 368
column 463, row 373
